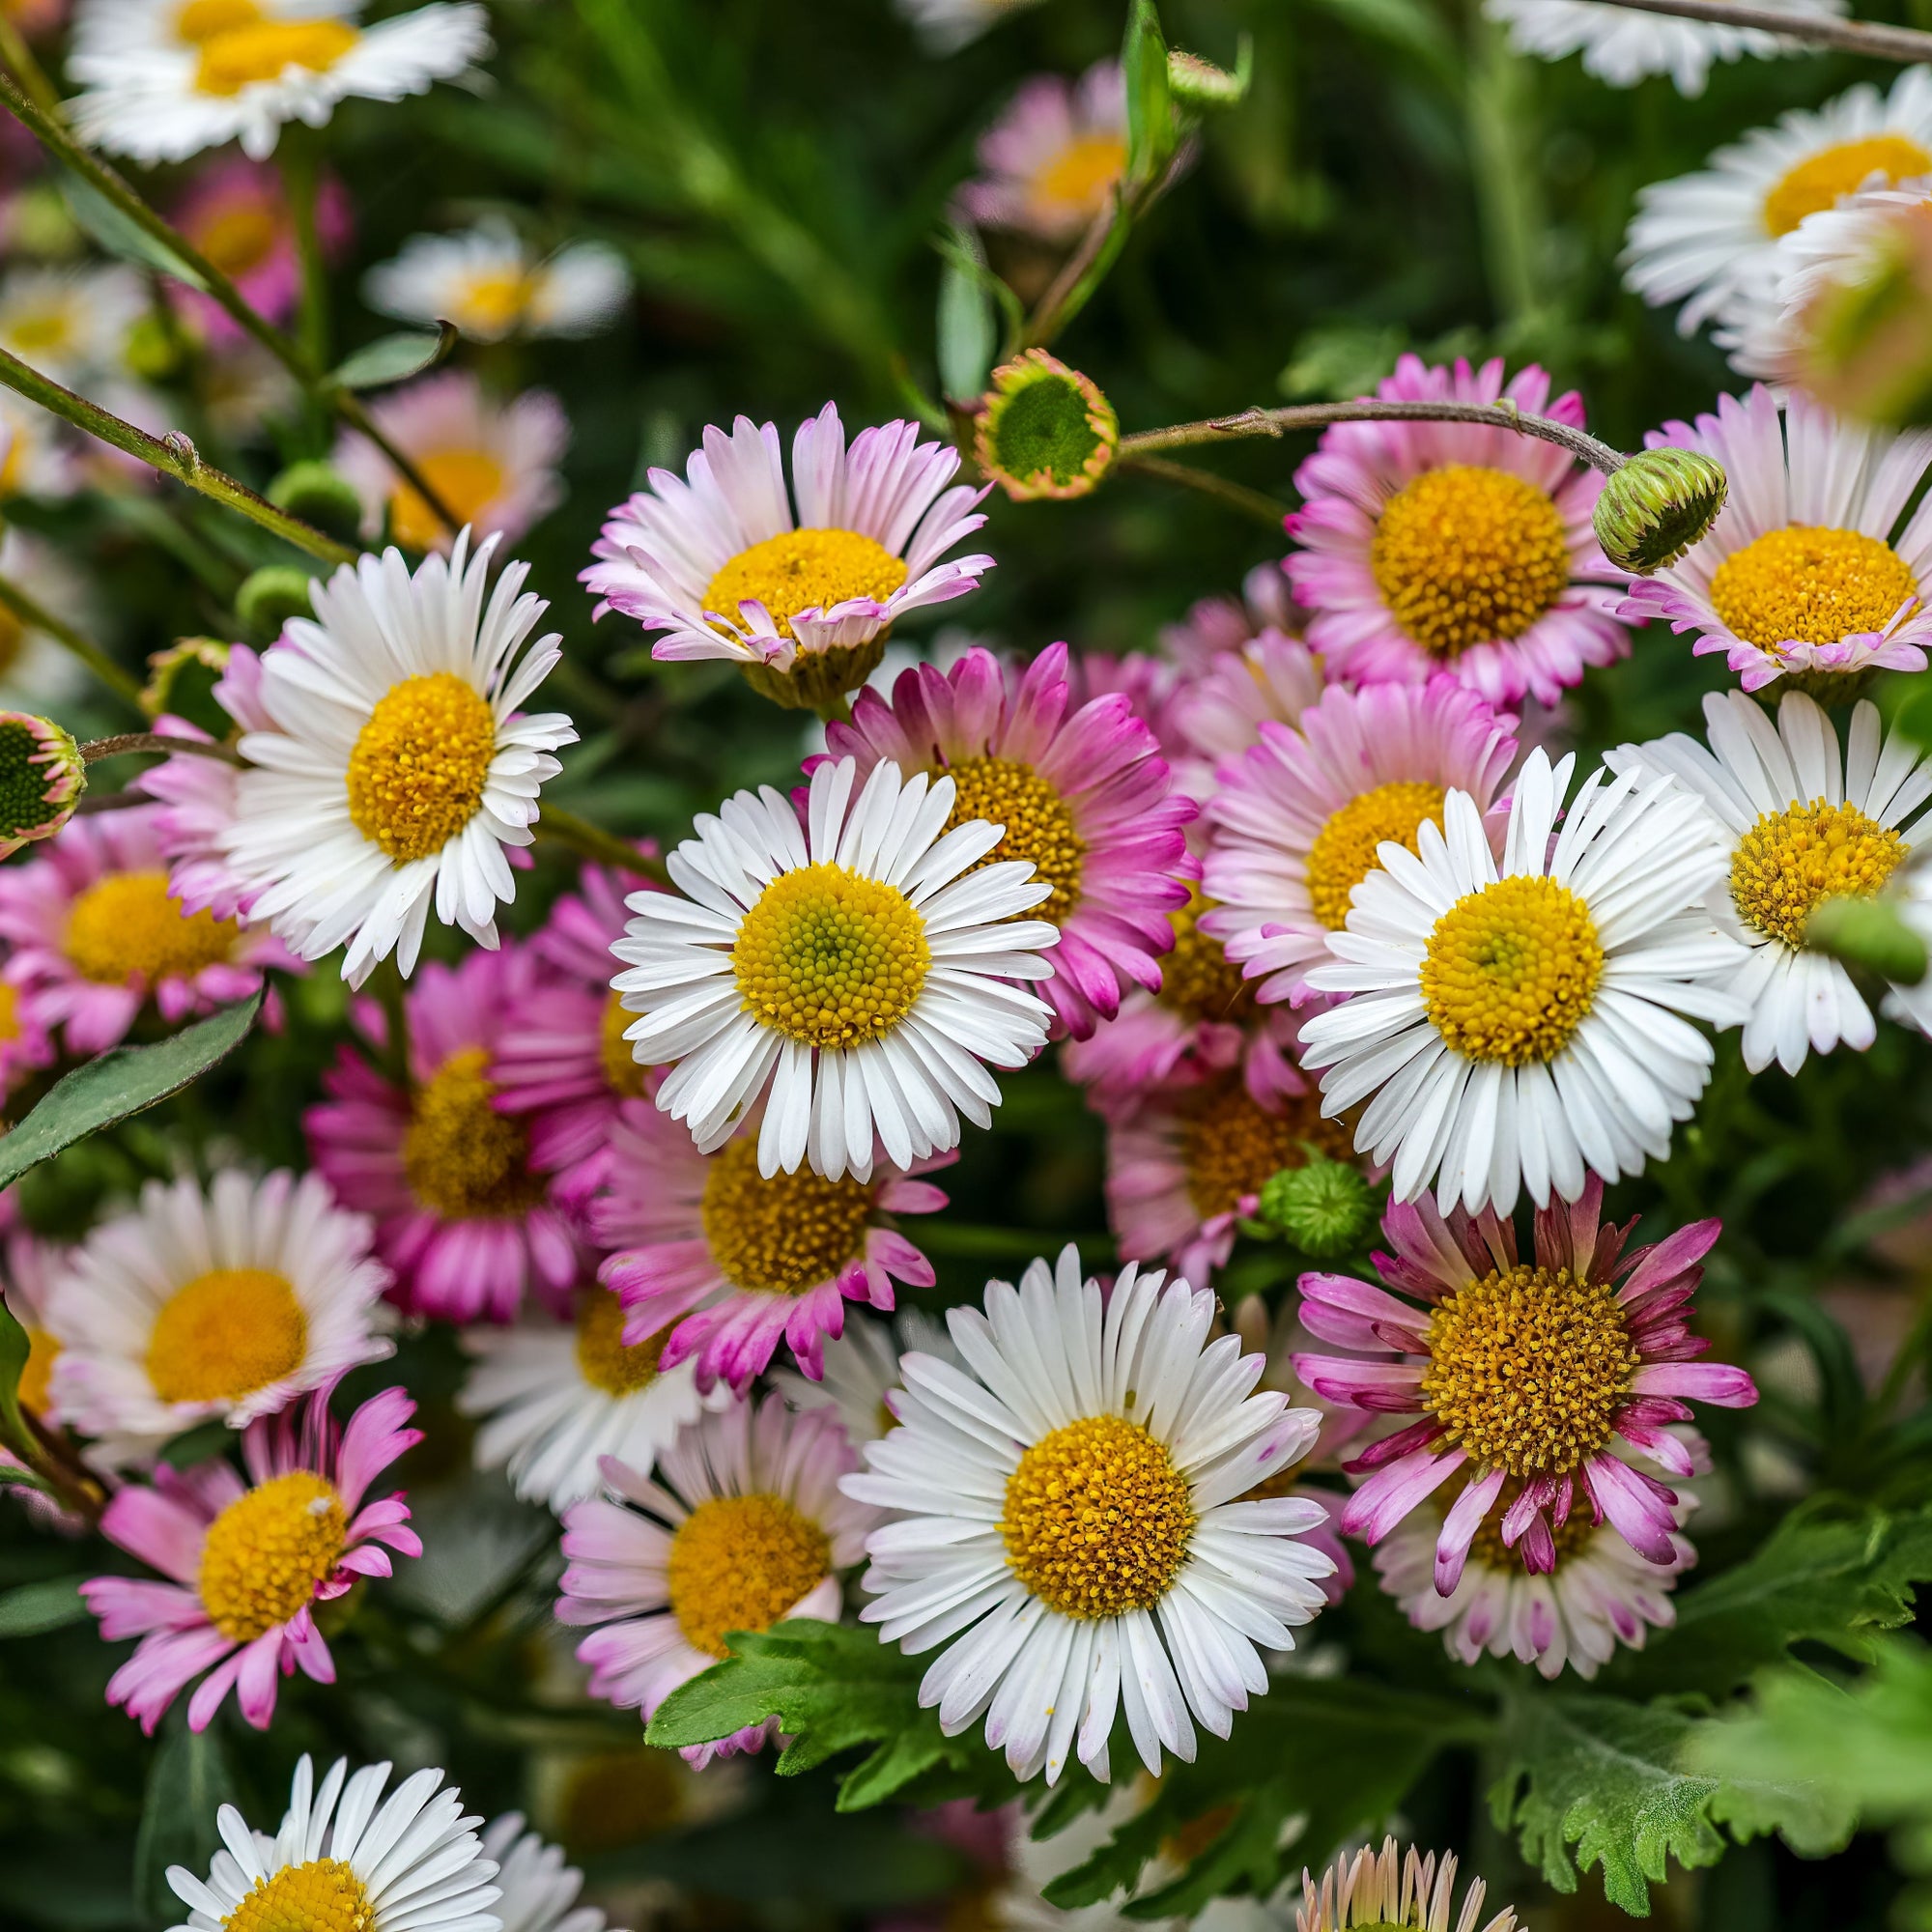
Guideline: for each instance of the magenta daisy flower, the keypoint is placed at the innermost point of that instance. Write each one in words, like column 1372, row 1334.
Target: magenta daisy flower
column 1054, row 159
column 1440, row 546
column 1302, row 816
column 235, row 211
column 1538, row 1380
column 1086, row 796
column 739, row 1261
column 460, row 1211
column 246, row 1562
column 1220, row 709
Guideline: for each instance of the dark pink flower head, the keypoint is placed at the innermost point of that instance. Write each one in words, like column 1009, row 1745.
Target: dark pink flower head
column 236, row 212
column 1537, row 1379
column 246, row 1561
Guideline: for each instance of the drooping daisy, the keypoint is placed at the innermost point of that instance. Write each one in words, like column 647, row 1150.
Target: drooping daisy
column 1365, row 1890
column 945, row 26
column 491, row 284
column 344, row 1856
column 344, row 833
column 1516, row 1026
column 227, row 1303
column 1543, row 1378
column 460, row 1214
column 717, row 560
column 71, row 324
column 852, row 973
column 1622, row 47
column 861, row 1374
column 1302, row 817
column 743, row 1528
column 1434, row 546
column 1055, row 1618
column 248, row 1561
column 235, row 211
column 538, row 1889
column 1800, row 572
column 732, row 1262
column 1053, row 160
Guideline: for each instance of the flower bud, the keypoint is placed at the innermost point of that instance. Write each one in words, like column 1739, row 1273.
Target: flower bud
column 1046, row 430
column 1200, row 83
column 41, row 778
column 1869, row 933
column 269, row 597
column 1657, row 506
column 1326, row 1209
column 319, row 496
column 181, row 684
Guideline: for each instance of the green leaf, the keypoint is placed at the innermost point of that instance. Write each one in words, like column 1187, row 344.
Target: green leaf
column 111, row 1088
column 212, row 1437
column 36, row 1607
column 394, row 358
column 1152, row 135
column 968, row 333
column 119, row 234
column 187, row 1784
column 15, row 1348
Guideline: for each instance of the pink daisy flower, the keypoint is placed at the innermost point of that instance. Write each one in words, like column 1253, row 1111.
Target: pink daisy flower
column 1220, row 709
column 1440, row 546
column 1217, row 625
column 1086, row 796
column 1539, row 1378
column 1054, row 159
column 247, row 1561
column 460, row 1211
column 236, row 212
column 740, row 1262
column 1302, row 816
column 32, row 1267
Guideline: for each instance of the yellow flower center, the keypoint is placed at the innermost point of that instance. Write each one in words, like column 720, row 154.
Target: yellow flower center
column 9, row 1013
column 1512, row 971
column 265, row 50
column 467, row 480
column 41, row 332
column 740, row 1563
column 199, row 21
column 603, row 1357
column 494, row 303
column 1079, row 178
column 830, row 958
column 1811, row 584
column 1196, row 979
column 1571, row 1535
column 1790, row 862
column 321, row 1895
column 266, row 1552
column 1230, row 1145
column 1344, row 852
column 1466, row 555
column 464, row 1160
column 37, row 1373
column 1097, row 1519
column 1818, row 181
column 623, row 1073
column 1527, row 1369
column 1039, row 826
column 417, row 775
column 784, row 1234
column 225, row 1334
column 126, row 927
column 804, row 570
column 237, row 238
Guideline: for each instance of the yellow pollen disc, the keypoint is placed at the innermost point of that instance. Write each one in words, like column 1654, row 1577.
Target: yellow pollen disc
column 1466, row 555
column 740, row 1563
column 266, row 1552
column 603, row 1359
column 1039, row 826
column 1790, row 862
column 265, row 50
column 322, row 1895
column 43, row 1353
column 1818, row 181
column 784, row 1234
column 621, row 1072
column 804, row 570
column 1811, row 585
column 1527, row 1369
column 1512, row 971
column 417, row 775
column 41, row 332
column 462, row 1159
column 1229, row 1145
column 126, row 927
column 1489, row 1548
column 494, row 303
column 9, row 1013
column 830, row 958
column 225, row 1334
column 1081, row 175
column 200, row 21
column 1196, row 979
column 1344, row 852
column 1097, row 1519
column 467, row 480
column 238, row 238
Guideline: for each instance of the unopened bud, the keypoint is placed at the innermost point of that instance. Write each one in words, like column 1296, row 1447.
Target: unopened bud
column 1046, row 430
column 1870, row 933
column 41, row 778
column 1326, row 1207
column 181, row 684
column 269, row 597
column 1200, row 83
column 320, row 495
column 1657, row 506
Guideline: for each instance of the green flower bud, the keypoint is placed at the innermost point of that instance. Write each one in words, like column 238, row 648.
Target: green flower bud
column 1657, row 506
column 181, row 684
column 41, row 778
column 269, row 598
column 1200, row 83
column 1326, row 1207
column 1869, row 933
column 320, row 495
column 1046, row 430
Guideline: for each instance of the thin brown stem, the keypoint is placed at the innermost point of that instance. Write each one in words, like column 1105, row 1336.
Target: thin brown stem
column 37, row 617
column 1043, row 323
column 1819, row 30
column 158, row 742
column 1236, row 495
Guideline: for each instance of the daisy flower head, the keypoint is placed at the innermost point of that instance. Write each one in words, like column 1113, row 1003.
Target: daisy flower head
column 1221, row 706
column 1083, row 793
column 802, row 599
column 538, row 1889
column 36, row 672
column 727, row 1262
column 28, row 1271
column 860, row 1370
column 1535, row 1384
column 246, row 1562
column 344, row 833
column 853, row 972
column 1622, row 47
column 460, row 1215
column 1801, row 573
column 1434, row 546
column 1053, row 1627
column 1052, row 161
column 1217, row 625
column 235, row 211
column 1385, row 1890
column 228, row 1302
column 491, row 285
column 945, row 26
column 743, row 1526
column 1303, row 817
column 71, row 324
column 345, row 1854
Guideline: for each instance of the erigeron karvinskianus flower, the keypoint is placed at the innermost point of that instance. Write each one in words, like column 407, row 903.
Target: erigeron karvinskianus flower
column 852, row 973
column 37, row 671
column 1518, row 1026
column 539, row 1890
column 1054, row 1618
column 246, row 1562
column 1388, row 1891
column 742, row 1527
column 1044, row 430
column 41, row 778
column 1053, row 160
column 31, row 1266
column 801, row 601
column 71, row 324
column 345, row 832
column 491, row 285
column 236, row 212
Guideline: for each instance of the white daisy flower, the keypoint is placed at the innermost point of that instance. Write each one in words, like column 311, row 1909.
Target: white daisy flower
column 945, row 26
column 491, row 285
column 412, row 1862
column 345, row 832
column 227, row 1303
column 861, row 1370
column 1516, row 1026
column 538, row 1889
column 36, row 672
column 71, row 324
column 857, row 965
column 1056, row 1617
column 38, row 458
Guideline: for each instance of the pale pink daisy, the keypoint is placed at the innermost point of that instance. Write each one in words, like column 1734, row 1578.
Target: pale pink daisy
column 235, row 211
column 1220, row 709
column 31, row 1268
column 1054, row 159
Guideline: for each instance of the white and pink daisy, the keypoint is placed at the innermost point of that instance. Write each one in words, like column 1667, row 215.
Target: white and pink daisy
column 1455, row 546
column 31, row 1268
column 235, row 211
column 1053, row 160
column 248, row 1561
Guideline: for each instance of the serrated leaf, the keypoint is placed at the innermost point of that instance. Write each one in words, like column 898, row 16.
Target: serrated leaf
column 119, row 234
column 393, row 359
column 1152, row 135
column 34, row 1608
column 188, row 1782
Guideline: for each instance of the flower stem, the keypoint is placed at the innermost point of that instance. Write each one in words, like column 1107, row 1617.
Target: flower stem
column 1821, row 30
column 1236, row 495
column 124, row 742
column 20, row 58
column 302, row 173
column 558, row 827
column 36, row 617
